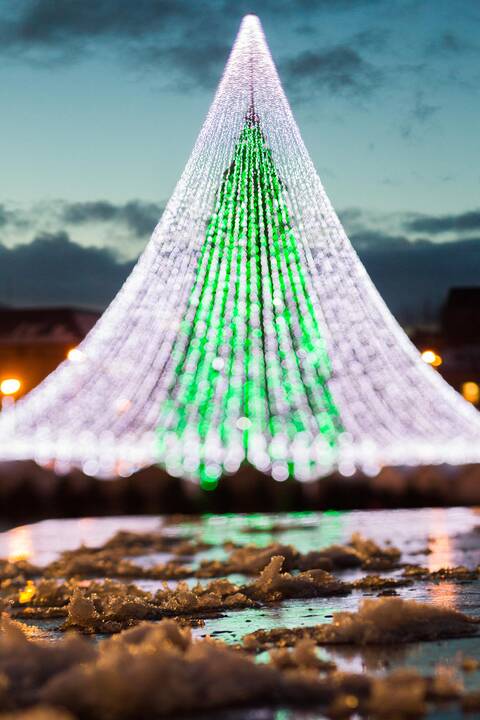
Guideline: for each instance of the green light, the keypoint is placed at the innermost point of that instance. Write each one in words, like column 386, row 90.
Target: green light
column 250, row 360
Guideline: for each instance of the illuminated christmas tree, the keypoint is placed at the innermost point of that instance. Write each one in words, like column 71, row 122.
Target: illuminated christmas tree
column 249, row 331
column 251, row 365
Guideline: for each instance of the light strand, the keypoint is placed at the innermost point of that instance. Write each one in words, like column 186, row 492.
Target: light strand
column 248, row 331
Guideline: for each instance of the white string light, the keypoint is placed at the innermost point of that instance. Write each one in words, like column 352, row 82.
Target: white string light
column 248, row 330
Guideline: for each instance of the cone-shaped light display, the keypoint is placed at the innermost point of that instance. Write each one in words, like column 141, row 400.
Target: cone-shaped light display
column 248, row 331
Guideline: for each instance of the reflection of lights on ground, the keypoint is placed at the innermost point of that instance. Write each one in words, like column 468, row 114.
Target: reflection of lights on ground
column 86, row 531
column 445, row 594
column 439, row 544
column 471, row 392
column 322, row 529
column 441, row 556
column 431, row 358
column 33, row 632
column 20, row 544
column 290, row 614
column 25, row 595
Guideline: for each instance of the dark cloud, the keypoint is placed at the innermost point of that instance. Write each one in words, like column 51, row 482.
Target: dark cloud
column 196, row 65
column 377, row 241
column 371, row 39
column 4, row 216
column 15, row 218
column 339, row 69
column 421, row 112
column 191, row 39
column 351, row 216
column 412, row 271
column 448, row 43
column 50, row 23
column 435, row 224
column 414, row 277
column 54, row 270
column 140, row 217
column 151, row 31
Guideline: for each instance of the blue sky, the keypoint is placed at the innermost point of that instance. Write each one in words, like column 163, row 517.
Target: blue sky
column 101, row 101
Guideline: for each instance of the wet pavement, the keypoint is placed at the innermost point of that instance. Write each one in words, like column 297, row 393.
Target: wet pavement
column 433, row 538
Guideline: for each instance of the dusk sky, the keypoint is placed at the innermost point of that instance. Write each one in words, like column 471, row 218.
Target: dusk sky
column 101, row 101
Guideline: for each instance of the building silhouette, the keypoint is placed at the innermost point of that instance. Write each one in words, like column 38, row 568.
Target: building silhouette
column 33, row 341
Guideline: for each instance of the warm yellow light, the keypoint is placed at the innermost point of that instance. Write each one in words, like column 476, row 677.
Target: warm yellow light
column 471, row 392
column 10, row 386
column 432, row 358
column 75, row 355
column 25, row 595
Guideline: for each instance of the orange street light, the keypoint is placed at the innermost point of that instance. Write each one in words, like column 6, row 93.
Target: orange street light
column 10, row 386
column 471, row 392
column 75, row 355
column 431, row 358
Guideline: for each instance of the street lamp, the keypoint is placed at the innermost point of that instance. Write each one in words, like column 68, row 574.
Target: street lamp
column 9, row 387
column 471, row 392
column 75, row 355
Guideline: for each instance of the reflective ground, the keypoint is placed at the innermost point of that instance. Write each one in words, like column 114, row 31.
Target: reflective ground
column 434, row 538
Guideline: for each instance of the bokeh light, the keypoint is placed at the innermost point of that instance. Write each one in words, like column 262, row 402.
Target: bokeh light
column 10, row 386
column 432, row 358
column 471, row 392
column 75, row 355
